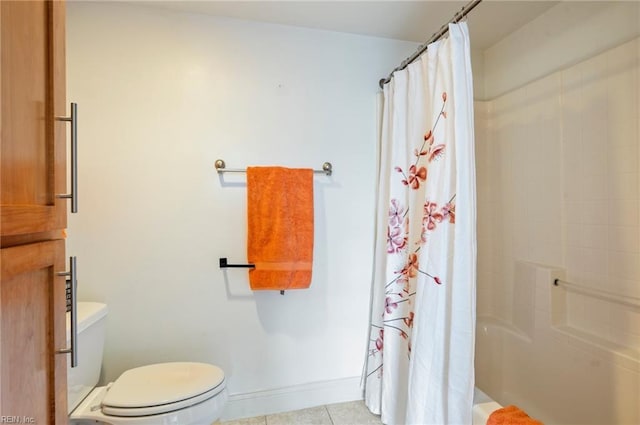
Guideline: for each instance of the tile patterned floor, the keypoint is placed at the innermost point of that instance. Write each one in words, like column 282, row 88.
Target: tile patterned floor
column 351, row 413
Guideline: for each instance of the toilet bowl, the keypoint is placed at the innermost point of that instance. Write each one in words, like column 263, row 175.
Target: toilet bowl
column 183, row 393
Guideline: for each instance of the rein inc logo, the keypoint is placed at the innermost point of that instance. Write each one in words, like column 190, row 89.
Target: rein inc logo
column 17, row 420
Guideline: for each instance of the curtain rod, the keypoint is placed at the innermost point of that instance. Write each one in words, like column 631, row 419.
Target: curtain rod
column 435, row 37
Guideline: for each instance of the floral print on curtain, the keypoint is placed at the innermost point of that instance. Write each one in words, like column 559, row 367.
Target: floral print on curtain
column 401, row 288
column 423, row 312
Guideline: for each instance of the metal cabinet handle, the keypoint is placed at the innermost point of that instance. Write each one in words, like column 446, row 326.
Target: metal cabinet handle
column 73, row 119
column 73, row 274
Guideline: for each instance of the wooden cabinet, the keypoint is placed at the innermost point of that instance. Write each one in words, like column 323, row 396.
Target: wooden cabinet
column 32, row 251
column 32, row 156
column 32, row 327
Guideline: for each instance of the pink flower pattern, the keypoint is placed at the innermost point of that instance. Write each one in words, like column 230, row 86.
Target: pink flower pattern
column 449, row 212
column 409, row 320
column 398, row 314
column 431, row 215
column 390, row 305
column 396, row 213
column 397, row 237
column 396, row 240
column 416, row 175
column 380, row 340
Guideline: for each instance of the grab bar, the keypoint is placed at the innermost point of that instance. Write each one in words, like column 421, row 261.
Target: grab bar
column 598, row 293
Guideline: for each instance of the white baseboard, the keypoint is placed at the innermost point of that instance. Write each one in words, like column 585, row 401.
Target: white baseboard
column 268, row 402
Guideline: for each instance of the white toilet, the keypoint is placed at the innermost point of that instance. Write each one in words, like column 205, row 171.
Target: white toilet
column 180, row 393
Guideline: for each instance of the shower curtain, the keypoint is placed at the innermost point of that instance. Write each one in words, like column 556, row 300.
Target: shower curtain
column 419, row 368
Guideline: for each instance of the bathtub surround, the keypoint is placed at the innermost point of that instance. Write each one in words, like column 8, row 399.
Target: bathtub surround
column 558, row 375
column 558, row 190
column 162, row 96
column 420, row 364
column 582, row 130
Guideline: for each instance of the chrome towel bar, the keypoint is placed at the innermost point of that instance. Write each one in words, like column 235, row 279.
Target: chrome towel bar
column 221, row 167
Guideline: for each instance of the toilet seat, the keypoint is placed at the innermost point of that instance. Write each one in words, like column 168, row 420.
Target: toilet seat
column 161, row 388
column 89, row 412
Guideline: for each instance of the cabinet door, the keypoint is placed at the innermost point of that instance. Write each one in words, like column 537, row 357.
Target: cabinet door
column 32, row 142
column 32, row 328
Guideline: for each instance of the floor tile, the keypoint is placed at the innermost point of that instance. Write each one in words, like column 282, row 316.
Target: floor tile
column 352, row 413
column 258, row 420
column 312, row 416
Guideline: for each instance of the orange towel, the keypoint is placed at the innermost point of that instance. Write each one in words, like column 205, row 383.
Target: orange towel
column 280, row 227
column 511, row 415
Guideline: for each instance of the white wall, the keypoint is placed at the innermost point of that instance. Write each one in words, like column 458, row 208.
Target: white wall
column 564, row 35
column 161, row 96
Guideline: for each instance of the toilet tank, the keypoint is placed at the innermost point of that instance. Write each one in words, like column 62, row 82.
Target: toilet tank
column 90, row 344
